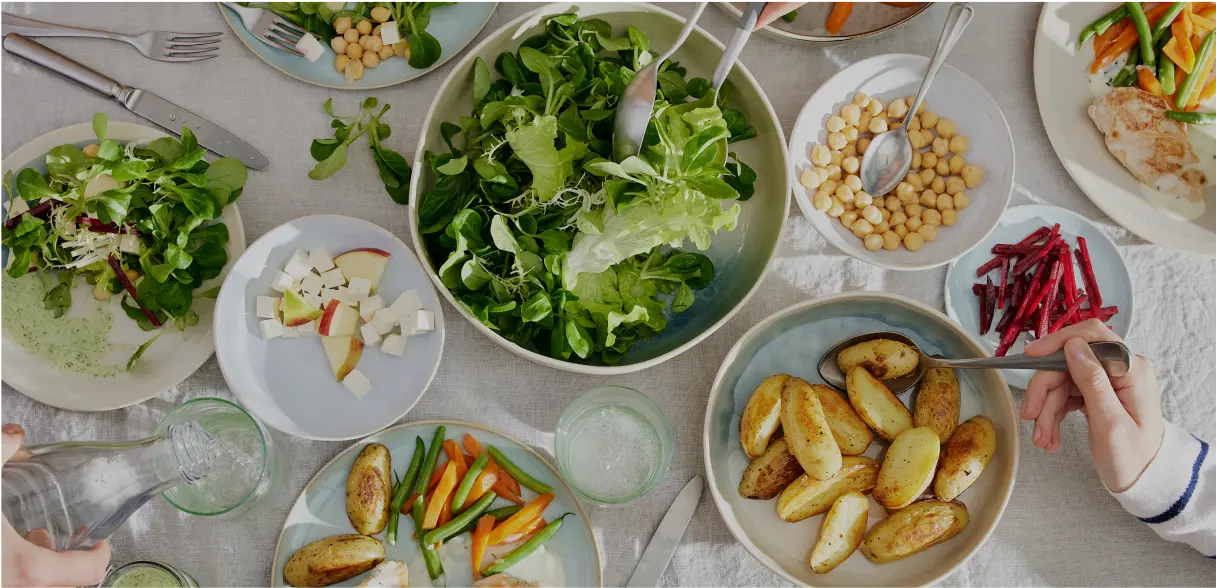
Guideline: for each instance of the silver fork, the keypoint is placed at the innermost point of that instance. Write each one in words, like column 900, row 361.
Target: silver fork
column 158, row 45
column 270, row 28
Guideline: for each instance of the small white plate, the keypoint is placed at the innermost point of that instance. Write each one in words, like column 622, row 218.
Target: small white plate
column 167, row 362
column 1110, row 269
column 953, row 95
column 287, row 383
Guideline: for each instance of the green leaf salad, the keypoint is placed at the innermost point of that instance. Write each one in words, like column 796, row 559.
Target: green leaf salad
column 544, row 238
column 139, row 222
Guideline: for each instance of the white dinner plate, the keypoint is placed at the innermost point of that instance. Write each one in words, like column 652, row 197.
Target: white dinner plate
column 953, row 95
column 1114, row 279
column 166, row 363
column 287, row 383
column 1061, row 74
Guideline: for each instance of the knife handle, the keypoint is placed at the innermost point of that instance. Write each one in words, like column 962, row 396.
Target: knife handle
column 35, row 28
column 60, row 64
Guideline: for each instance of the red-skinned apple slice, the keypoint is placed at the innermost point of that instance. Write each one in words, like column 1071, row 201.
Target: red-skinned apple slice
column 339, row 320
column 343, row 354
column 296, row 312
column 368, row 263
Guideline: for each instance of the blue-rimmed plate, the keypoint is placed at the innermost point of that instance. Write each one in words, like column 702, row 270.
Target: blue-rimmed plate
column 1114, row 280
column 455, row 26
column 320, row 511
column 792, row 342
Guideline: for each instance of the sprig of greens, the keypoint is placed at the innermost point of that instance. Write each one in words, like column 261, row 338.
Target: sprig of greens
column 331, row 153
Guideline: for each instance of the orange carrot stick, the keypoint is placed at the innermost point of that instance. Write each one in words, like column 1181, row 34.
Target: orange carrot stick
column 1148, row 81
column 1102, row 41
column 534, row 527
column 840, row 14
column 520, row 520
column 1126, row 40
column 481, row 540
column 485, row 480
column 441, row 496
column 472, row 446
column 455, row 456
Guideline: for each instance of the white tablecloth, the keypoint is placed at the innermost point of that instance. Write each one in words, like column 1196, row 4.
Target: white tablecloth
column 1061, row 528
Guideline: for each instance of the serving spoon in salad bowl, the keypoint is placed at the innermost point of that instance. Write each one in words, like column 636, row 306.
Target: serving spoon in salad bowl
column 1114, row 356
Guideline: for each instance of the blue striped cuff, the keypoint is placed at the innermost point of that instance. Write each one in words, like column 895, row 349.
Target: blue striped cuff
column 1166, row 486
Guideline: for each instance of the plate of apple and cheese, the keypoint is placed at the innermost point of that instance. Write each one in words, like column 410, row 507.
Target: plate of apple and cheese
column 327, row 328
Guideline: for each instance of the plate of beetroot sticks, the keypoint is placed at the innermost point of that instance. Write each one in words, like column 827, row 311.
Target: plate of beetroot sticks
column 1042, row 269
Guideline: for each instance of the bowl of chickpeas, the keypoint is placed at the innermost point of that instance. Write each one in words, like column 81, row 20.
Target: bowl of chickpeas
column 962, row 167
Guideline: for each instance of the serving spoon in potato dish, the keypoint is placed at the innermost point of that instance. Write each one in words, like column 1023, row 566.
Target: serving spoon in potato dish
column 897, row 360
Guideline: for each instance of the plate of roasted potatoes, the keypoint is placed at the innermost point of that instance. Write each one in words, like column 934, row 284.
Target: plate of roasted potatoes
column 861, row 486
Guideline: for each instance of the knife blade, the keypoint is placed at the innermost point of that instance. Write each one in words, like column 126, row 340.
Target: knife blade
column 665, row 540
column 141, row 102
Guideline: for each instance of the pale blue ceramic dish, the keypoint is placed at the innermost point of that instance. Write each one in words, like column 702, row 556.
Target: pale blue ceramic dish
column 792, row 342
column 455, row 26
column 320, row 510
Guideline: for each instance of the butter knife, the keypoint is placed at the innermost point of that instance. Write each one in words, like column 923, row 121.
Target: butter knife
column 671, row 529
column 142, row 102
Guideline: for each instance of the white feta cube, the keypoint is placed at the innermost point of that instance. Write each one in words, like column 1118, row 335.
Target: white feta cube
column 384, row 320
column 390, row 33
column 357, row 383
column 268, row 307
column 371, row 337
column 362, row 286
column 313, row 300
column 308, row 329
column 291, row 332
column 320, row 259
column 310, row 47
column 369, row 306
column 406, row 303
column 419, row 321
column 311, row 283
column 346, row 296
column 270, row 328
column 17, row 206
column 281, row 282
column 129, row 243
column 333, row 278
column 394, row 345
column 327, row 294
column 297, row 265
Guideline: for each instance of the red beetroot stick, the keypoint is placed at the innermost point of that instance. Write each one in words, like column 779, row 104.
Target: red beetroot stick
column 1053, row 286
column 1105, row 313
column 122, row 277
column 1070, row 279
column 103, row 229
column 1002, row 249
column 1000, row 299
column 1027, row 262
column 987, row 307
column 1033, row 237
column 991, row 265
column 1068, row 312
column 1087, row 273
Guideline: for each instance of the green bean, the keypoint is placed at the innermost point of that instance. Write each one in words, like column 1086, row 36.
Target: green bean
column 529, row 546
column 504, row 512
column 1127, row 76
column 459, row 522
column 1166, row 76
column 402, row 490
column 1192, row 118
column 432, row 457
column 1188, row 85
column 466, row 485
column 434, row 567
column 520, row 476
column 1147, row 54
column 1099, row 26
column 1167, row 19
column 790, row 16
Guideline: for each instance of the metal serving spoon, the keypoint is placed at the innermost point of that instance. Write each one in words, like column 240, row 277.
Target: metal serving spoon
column 1116, row 358
column 743, row 31
column 889, row 155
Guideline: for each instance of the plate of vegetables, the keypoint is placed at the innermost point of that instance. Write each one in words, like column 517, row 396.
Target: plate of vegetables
column 1043, row 268
column 384, row 43
column 829, row 23
column 115, row 242
column 564, row 256
column 434, row 503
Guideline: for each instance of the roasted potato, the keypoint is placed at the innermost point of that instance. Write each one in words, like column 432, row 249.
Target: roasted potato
column 914, row 529
column 876, row 405
column 766, row 476
column 807, row 497
column 762, row 415
column 369, row 490
column 884, row 358
column 937, row 402
column 333, row 559
column 851, row 433
column 965, row 456
column 907, row 470
column 806, row 430
column 927, row 495
column 841, row 532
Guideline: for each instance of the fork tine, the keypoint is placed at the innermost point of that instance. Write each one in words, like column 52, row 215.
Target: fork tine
column 287, row 34
column 289, row 26
column 282, row 45
column 171, row 43
column 184, row 36
column 172, row 51
column 186, row 59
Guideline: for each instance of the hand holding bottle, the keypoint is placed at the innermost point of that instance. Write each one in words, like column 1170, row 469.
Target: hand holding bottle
column 28, row 561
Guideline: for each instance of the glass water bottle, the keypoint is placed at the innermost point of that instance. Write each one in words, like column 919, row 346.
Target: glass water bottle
column 81, row 492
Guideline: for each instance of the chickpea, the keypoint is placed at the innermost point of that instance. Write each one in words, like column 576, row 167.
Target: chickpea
column 401, row 49
column 913, row 211
column 351, row 36
column 927, row 175
column 961, row 201
column 917, row 140
column 820, row 155
column 848, row 218
column 863, row 121
column 873, row 242
column 850, row 113
column 338, row 44
column 926, row 137
column 946, row 128
column 886, row 214
column 90, row 150
column 917, row 159
column 863, row 144
column 844, row 193
column 928, row 199
column 364, row 27
column 882, row 227
column 837, row 158
column 897, row 108
column 837, row 141
column 850, row 205
column 938, row 185
column 928, row 160
column 928, row 120
column 836, row 210
column 863, row 199
column 929, row 232
column 941, row 147
column 892, row 203
column 945, row 202
column 931, row 217
column 376, row 31
column 100, row 292
column 890, row 240
column 381, row 14
column 898, row 218
column 914, row 241
column 949, row 217
column 374, row 44
column 861, row 99
column 959, row 144
column 874, row 107
column 913, row 178
column 822, row 201
column 853, row 182
column 942, row 168
column 833, row 172
column 861, row 227
column 849, row 150
column 341, row 24
column 954, row 185
column 809, row 179
column 871, row 214
column 900, row 231
column 973, row 175
column 913, row 123
column 835, row 124
column 354, row 50
column 363, row 41
column 131, row 274
column 354, row 70
column 956, row 164
column 828, row 185
column 371, row 59
column 340, row 62
column 386, row 52
column 878, row 125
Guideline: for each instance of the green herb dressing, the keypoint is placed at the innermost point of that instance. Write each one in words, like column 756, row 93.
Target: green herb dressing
column 146, row 577
column 69, row 343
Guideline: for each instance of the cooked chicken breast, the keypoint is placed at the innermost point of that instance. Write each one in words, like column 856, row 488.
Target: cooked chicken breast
column 502, row 581
column 389, row 574
column 1152, row 147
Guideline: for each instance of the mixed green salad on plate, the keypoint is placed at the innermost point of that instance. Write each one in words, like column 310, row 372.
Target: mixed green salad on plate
column 545, row 239
column 139, row 222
